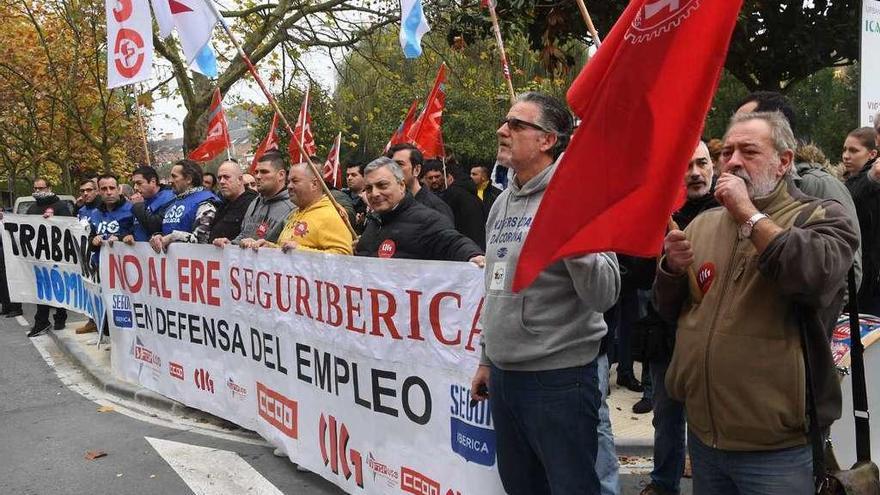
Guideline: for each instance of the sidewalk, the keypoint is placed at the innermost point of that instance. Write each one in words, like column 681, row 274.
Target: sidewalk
column 633, row 433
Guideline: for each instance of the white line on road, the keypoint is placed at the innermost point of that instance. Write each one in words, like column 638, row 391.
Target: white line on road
column 210, row 471
column 73, row 378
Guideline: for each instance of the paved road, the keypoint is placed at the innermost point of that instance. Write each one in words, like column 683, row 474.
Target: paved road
column 50, row 417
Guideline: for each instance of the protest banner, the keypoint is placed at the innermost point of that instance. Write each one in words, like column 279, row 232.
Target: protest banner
column 358, row 368
column 870, row 62
column 47, row 262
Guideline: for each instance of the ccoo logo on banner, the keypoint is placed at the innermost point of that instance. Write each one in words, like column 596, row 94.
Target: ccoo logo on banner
column 129, row 42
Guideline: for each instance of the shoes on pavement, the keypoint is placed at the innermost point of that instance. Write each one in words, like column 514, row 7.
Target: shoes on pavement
column 631, row 383
column 4, row 311
column 38, row 328
column 302, row 469
column 89, row 327
column 279, row 453
column 643, row 406
column 14, row 312
column 653, row 489
column 59, row 325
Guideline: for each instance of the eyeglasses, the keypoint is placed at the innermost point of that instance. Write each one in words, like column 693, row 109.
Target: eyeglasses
column 516, row 125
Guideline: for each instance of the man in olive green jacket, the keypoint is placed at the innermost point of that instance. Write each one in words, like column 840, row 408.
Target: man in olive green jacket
column 768, row 259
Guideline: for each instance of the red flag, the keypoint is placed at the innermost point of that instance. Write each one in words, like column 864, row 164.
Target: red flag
column 399, row 135
column 302, row 133
column 651, row 83
column 217, row 139
column 270, row 143
column 426, row 133
column 332, row 172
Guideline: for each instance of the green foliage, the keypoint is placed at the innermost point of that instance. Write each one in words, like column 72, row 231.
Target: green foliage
column 377, row 85
column 826, row 105
column 774, row 44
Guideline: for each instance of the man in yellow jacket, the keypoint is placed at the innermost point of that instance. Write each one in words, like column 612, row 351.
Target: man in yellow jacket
column 314, row 225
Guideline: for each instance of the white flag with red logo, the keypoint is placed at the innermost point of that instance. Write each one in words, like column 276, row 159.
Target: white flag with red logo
column 129, row 42
column 302, row 134
column 332, row 173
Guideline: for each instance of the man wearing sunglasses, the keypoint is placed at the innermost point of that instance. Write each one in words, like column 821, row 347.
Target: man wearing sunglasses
column 540, row 347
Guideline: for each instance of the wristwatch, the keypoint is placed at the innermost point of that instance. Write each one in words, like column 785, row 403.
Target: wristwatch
column 745, row 230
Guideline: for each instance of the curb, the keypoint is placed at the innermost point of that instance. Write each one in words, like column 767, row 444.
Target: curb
column 106, row 382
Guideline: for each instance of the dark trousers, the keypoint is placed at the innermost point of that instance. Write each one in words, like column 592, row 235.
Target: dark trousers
column 42, row 316
column 546, row 428
column 669, row 431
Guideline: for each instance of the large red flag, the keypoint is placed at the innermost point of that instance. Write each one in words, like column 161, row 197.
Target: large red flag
column 426, row 133
column 643, row 99
column 217, row 139
column 332, row 171
column 302, row 133
column 270, row 143
column 399, row 135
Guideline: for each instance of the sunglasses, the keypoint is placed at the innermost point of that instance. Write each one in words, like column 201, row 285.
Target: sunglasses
column 516, row 124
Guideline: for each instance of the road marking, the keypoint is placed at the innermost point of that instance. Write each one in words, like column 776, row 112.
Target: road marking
column 210, row 471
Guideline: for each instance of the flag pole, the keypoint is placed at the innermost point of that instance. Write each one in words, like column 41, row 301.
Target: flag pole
column 140, row 123
column 585, row 14
column 277, row 109
column 505, row 67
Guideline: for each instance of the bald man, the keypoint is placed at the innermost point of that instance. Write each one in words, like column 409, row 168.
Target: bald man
column 236, row 200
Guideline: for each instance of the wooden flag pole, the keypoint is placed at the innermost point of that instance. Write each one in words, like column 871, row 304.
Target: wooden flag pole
column 140, row 124
column 696, row 295
column 277, row 109
column 589, row 22
column 504, row 65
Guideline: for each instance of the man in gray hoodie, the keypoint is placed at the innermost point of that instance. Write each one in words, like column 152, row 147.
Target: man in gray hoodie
column 266, row 215
column 540, row 345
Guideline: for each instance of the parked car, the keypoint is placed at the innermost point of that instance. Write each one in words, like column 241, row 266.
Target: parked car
column 24, row 202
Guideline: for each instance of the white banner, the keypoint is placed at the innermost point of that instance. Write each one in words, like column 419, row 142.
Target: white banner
column 129, row 42
column 359, row 368
column 870, row 65
column 47, row 262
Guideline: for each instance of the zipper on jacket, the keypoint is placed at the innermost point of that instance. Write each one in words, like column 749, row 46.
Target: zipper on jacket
column 727, row 282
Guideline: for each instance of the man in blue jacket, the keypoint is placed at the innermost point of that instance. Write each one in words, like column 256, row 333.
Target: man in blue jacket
column 188, row 218
column 149, row 213
column 112, row 220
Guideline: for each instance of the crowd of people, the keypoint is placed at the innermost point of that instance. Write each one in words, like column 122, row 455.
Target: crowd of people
column 761, row 248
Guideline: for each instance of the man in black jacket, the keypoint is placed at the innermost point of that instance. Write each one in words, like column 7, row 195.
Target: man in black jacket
column 48, row 205
column 486, row 192
column 461, row 196
column 410, row 161
column 400, row 227
column 236, row 200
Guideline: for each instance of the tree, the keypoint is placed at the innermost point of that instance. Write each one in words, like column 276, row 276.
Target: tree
column 59, row 120
column 376, row 86
column 774, row 45
column 292, row 25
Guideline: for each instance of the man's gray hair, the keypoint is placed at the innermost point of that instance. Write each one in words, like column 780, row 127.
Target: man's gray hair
column 780, row 130
column 305, row 166
column 385, row 162
column 554, row 117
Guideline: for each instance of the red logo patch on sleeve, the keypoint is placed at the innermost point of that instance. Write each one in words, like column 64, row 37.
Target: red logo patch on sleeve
column 262, row 229
column 387, row 249
column 705, row 276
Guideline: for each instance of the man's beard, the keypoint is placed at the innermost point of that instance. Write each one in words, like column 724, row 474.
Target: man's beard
column 759, row 186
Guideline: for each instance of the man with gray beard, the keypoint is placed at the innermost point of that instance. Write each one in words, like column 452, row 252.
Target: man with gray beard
column 768, row 264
